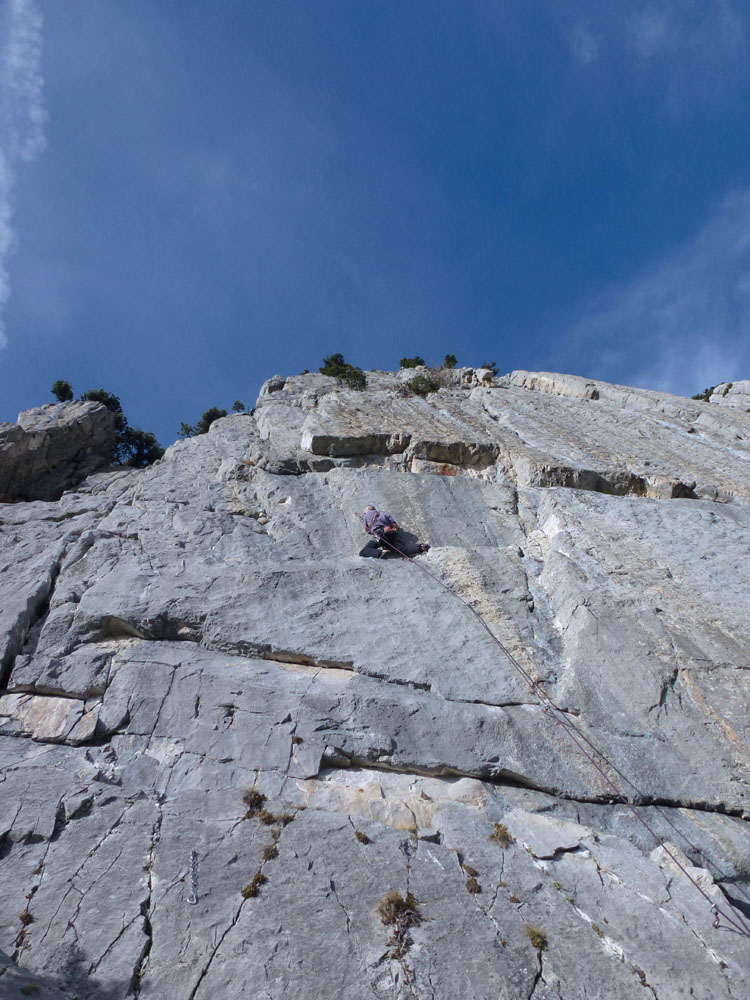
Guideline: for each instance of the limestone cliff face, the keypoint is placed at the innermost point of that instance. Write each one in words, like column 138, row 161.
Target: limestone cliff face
column 225, row 737
column 52, row 448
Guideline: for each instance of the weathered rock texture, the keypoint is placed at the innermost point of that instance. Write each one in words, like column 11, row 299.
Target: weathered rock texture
column 52, row 448
column 732, row 394
column 178, row 642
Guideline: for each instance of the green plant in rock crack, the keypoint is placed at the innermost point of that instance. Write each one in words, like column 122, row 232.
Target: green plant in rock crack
column 536, row 936
column 252, row 887
column 400, row 913
column 501, row 835
column 255, row 802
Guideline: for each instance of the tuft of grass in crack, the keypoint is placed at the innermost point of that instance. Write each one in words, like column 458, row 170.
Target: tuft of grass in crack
column 536, row 936
column 394, row 907
column 362, row 837
column 254, row 800
column 26, row 918
column 470, row 870
column 270, row 851
column 501, row 835
column 400, row 913
column 253, row 886
column 473, row 886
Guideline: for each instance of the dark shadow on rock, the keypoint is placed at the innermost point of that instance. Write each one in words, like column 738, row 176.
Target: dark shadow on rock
column 406, row 538
column 70, row 982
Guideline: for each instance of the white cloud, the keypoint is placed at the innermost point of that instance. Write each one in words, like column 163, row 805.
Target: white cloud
column 649, row 32
column 698, row 47
column 685, row 323
column 22, row 117
column 584, row 44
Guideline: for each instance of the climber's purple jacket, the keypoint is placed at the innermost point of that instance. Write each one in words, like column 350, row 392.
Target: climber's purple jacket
column 377, row 519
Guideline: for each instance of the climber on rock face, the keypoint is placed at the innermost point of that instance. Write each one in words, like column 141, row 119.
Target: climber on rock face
column 384, row 536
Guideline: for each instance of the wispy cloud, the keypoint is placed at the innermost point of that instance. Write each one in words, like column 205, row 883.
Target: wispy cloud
column 649, row 31
column 685, row 323
column 698, row 47
column 584, row 44
column 22, row 117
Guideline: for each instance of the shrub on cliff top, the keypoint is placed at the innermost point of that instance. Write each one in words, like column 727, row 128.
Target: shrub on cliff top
column 414, row 362
column 132, row 446
column 345, row 373
column 192, row 430
column 62, row 391
column 422, row 385
column 705, row 394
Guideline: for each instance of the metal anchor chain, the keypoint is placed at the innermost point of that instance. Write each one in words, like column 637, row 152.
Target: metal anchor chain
column 193, row 897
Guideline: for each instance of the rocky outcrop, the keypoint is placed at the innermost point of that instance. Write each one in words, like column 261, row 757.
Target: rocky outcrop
column 226, row 739
column 736, row 394
column 52, row 448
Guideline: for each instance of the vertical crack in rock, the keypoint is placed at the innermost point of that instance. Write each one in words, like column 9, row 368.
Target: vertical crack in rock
column 538, row 977
column 147, row 906
column 59, row 829
column 283, row 820
column 32, row 615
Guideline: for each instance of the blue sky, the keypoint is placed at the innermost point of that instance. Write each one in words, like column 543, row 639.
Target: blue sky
column 194, row 196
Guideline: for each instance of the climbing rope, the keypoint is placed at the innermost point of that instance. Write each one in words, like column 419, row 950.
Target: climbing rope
column 582, row 742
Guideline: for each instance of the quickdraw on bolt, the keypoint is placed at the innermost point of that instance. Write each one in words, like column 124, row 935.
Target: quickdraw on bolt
column 193, row 897
column 715, row 911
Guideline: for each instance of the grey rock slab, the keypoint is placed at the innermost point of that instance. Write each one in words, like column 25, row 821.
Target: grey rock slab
column 734, row 394
column 43, row 718
column 666, row 613
column 545, row 835
column 53, row 447
column 178, row 636
column 603, row 445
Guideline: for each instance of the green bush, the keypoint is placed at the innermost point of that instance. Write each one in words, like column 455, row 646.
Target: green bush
column 193, row 430
column 705, row 394
column 238, row 407
column 449, row 361
column 421, row 385
column 346, row 374
column 62, row 391
column 132, row 446
column 414, row 362
column 492, row 365
column 109, row 400
column 333, row 365
column 137, row 448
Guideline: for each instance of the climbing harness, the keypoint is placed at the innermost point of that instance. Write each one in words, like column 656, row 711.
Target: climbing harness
column 193, row 897
column 582, row 742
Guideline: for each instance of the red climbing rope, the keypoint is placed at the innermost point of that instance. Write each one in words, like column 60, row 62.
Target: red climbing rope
column 581, row 741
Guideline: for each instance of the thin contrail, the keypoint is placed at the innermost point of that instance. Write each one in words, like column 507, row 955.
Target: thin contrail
column 22, row 116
